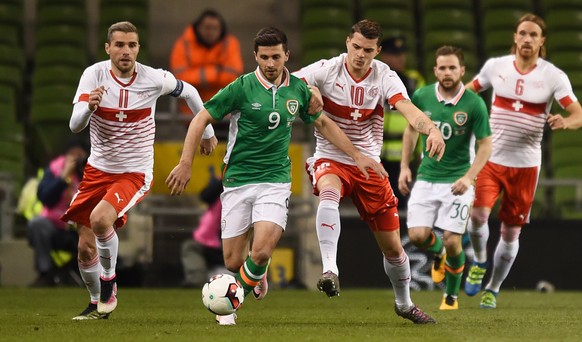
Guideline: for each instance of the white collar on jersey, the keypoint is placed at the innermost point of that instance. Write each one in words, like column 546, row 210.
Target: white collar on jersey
column 269, row 85
column 455, row 98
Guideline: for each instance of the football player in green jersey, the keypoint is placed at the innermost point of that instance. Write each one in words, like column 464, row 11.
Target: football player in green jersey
column 444, row 191
column 257, row 170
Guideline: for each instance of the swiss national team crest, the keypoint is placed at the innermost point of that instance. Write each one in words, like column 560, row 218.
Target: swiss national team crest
column 292, row 106
column 460, row 118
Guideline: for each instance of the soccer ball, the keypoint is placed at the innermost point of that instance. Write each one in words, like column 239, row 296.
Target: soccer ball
column 222, row 294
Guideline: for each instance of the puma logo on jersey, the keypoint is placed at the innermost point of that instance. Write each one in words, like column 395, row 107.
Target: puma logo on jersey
column 119, row 199
column 340, row 86
column 330, row 226
column 502, row 78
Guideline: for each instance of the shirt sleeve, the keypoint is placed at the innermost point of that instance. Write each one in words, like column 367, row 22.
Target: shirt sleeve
column 226, row 100
column 482, row 80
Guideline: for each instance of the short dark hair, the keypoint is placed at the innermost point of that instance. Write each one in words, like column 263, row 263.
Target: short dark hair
column 536, row 20
column 270, row 36
column 369, row 29
column 211, row 13
column 123, row 26
column 447, row 50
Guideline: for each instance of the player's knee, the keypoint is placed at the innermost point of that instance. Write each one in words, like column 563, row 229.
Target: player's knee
column 417, row 235
column 100, row 223
column 510, row 233
column 479, row 216
column 260, row 256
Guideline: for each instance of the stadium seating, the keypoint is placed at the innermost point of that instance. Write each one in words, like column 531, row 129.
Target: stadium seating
column 9, row 35
column 564, row 19
column 323, row 17
column 497, row 43
column 567, row 60
column 61, row 35
column 521, row 5
column 369, row 5
column 391, row 18
column 55, row 14
column 500, row 19
column 56, row 75
column 64, row 55
column 427, row 5
column 324, row 37
column 448, row 19
column 307, row 5
column 11, row 55
column 547, row 6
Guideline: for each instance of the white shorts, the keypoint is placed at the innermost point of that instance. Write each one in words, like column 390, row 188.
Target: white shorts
column 244, row 205
column 434, row 205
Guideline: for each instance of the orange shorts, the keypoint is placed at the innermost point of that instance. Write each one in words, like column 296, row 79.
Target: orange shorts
column 122, row 191
column 373, row 197
column 518, row 185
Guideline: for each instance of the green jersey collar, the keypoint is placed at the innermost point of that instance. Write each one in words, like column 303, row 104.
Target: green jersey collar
column 269, row 85
column 455, row 98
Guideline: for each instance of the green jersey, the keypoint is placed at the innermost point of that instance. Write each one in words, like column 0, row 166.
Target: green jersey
column 260, row 127
column 458, row 120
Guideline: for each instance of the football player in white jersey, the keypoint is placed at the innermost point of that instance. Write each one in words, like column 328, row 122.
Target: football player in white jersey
column 355, row 87
column 117, row 99
column 524, row 85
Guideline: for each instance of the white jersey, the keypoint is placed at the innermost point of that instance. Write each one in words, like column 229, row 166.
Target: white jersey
column 520, row 106
column 122, row 129
column 356, row 106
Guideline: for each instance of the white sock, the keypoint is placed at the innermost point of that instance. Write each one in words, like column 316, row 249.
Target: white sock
column 108, row 247
column 479, row 236
column 90, row 272
column 328, row 228
column 398, row 271
column 503, row 259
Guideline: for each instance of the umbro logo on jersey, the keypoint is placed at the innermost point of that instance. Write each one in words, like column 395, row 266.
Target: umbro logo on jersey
column 256, row 106
column 428, row 113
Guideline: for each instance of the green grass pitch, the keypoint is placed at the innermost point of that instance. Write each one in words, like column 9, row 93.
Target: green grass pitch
column 288, row 315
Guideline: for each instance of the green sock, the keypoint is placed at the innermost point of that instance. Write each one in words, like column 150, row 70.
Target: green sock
column 250, row 275
column 432, row 244
column 456, row 264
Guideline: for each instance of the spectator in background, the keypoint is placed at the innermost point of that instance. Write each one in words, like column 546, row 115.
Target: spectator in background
column 202, row 255
column 46, row 232
column 206, row 55
column 394, row 53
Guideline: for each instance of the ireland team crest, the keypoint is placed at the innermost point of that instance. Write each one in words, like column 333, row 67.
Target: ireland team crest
column 292, row 106
column 460, row 118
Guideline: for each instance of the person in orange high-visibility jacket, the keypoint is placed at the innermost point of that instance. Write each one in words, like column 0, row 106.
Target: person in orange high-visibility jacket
column 206, row 55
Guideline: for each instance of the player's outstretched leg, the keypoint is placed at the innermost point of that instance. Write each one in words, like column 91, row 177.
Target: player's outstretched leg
column 449, row 303
column 475, row 278
column 488, row 300
column 329, row 283
column 437, row 270
column 415, row 314
column 90, row 313
column 260, row 291
column 108, row 299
